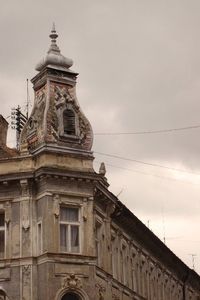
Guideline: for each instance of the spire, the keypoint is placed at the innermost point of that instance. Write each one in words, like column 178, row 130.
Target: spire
column 54, row 56
column 53, row 36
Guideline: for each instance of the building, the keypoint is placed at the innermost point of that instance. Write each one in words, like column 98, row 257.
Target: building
column 63, row 234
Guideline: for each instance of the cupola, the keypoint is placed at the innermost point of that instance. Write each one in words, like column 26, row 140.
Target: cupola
column 54, row 57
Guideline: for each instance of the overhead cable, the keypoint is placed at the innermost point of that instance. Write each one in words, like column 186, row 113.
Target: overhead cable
column 149, row 174
column 146, row 163
column 149, row 131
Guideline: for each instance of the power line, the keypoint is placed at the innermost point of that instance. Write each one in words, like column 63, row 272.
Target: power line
column 148, row 174
column 145, row 163
column 150, row 131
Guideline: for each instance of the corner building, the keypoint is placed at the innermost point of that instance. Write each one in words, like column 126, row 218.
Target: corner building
column 63, row 234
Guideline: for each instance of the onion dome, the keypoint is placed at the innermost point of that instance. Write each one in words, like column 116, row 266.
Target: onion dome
column 54, row 57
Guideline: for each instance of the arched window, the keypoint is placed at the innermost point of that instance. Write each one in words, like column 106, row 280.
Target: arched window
column 2, row 236
column 2, row 295
column 70, row 296
column 69, row 122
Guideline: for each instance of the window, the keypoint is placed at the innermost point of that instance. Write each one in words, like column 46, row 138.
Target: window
column 114, row 256
column 123, row 258
column 69, row 122
column 134, row 271
column 2, row 234
column 39, row 238
column 69, row 229
column 98, row 240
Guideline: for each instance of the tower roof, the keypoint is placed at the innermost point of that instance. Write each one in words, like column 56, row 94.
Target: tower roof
column 54, row 56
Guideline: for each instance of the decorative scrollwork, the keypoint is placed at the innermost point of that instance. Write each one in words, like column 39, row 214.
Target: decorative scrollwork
column 115, row 297
column 62, row 97
column 101, row 291
column 72, row 281
column 56, row 206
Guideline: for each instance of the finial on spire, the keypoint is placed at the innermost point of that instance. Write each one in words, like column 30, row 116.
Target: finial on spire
column 53, row 36
column 54, row 57
column 53, row 27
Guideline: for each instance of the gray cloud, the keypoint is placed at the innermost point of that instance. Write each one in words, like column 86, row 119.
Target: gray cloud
column 139, row 67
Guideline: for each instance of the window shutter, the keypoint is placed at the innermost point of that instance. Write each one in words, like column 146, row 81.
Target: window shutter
column 69, row 122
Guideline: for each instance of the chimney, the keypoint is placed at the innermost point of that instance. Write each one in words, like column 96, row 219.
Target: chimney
column 3, row 131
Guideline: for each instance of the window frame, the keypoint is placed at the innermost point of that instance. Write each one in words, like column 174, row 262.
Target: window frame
column 124, row 262
column 114, row 255
column 65, row 122
column 98, row 240
column 68, row 224
column 39, row 238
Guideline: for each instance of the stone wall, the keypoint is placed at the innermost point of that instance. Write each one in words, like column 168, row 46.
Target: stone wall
column 127, row 270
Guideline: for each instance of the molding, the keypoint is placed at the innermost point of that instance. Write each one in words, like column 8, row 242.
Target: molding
column 53, row 148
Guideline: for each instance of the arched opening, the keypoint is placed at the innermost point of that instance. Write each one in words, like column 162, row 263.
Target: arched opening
column 69, row 122
column 70, row 296
column 3, row 295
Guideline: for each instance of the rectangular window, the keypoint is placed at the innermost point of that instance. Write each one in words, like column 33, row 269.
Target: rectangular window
column 114, row 256
column 124, row 264
column 39, row 238
column 2, row 234
column 98, row 240
column 69, row 229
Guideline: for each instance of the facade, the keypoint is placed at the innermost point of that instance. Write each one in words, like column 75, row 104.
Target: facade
column 63, row 234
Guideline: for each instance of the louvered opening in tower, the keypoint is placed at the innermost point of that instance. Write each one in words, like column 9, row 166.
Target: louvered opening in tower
column 69, row 122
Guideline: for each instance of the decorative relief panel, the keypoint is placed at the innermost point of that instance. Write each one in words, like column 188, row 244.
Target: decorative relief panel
column 26, row 282
column 24, row 188
column 115, row 297
column 65, row 99
column 7, row 208
column 25, row 204
column 110, row 208
column 100, row 291
column 34, row 130
column 72, row 281
column 56, row 205
column 25, row 214
column 26, row 272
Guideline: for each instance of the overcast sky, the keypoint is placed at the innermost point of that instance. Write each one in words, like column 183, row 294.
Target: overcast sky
column 139, row 65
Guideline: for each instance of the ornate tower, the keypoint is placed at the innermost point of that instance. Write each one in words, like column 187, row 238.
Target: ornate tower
column 57, row 121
